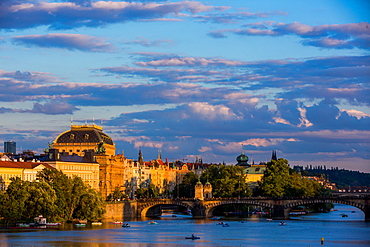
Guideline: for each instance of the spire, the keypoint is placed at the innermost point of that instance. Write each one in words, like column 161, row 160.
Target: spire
column 159, row 157
column 273, row 157
column 141, row 160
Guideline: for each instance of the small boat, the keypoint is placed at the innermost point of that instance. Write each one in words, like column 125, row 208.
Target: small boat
column 269, row 219
column 225, row 225
column 152, row 223
column 192, row 237
column 282, row 224
column 95, row 223
column 53, row 224
column 125, row 225
column 344, row 215
column 215, row 218
column 23, row 225
column 220, row 223
column 174, row 215
column 117, row 222
column 80, row 221
column 80, row 225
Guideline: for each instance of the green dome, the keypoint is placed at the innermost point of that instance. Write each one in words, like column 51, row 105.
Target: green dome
column 242, row 160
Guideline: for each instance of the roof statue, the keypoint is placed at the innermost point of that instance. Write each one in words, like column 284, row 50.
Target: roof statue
column 101, row 148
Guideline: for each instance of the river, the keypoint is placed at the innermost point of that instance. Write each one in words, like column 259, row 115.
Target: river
column 171, row 231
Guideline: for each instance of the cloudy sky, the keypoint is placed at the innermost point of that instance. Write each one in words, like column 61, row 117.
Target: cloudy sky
column 204, row 79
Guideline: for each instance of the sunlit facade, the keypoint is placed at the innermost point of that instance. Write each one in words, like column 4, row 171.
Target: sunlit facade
column 24, row 170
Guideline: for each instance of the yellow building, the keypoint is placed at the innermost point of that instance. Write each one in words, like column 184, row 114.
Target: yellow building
column 84, row 167
column 84, row 137
column 24, row 170
column 114, row 172
column 253, row 173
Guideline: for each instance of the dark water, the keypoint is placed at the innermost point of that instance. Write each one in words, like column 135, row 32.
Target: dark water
column 171, row 231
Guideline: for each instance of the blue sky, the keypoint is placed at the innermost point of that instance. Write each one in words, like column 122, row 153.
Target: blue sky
column 203, row 79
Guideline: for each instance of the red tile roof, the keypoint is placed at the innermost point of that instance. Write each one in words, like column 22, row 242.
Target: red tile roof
column 24, row 165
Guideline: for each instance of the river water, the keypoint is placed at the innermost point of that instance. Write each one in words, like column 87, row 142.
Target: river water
column 171, row 231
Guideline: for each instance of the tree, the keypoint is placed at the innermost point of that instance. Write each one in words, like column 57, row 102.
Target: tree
column 151, row 191
column 279, row 180
column 41, row 200
column 75, row 199
column 187, row 187
column 275, row 179
column 116, row 195
column 24, row 200
column 90, row 207
column 226, row 181
column 63, row 187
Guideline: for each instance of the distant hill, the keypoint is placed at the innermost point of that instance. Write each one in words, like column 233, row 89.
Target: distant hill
column 343, row 178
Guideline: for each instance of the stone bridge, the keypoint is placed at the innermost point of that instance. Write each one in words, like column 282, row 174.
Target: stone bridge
column 280, row 207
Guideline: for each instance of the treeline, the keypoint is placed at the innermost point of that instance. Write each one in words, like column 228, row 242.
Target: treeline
column 341, row 177
column 53, row 195
column 279, row 180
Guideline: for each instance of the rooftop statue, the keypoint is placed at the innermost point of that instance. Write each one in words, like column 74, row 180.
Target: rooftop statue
column 101, row 148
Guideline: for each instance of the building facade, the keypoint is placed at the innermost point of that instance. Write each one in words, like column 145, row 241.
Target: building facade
column 253, row 173
column 10, row 147
column 84, row 167
column 24, row 170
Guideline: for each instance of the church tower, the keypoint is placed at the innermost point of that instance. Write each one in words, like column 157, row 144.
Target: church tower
column 207, row 190
column 140, row 158
column 199, row 191
column 273, row 157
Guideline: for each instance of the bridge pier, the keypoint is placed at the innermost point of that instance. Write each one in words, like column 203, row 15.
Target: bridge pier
column 154, row 211
column 280, row 213
column 367, row 214
column 199, row 211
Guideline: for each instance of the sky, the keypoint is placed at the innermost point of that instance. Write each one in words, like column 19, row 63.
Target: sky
column 195, row 79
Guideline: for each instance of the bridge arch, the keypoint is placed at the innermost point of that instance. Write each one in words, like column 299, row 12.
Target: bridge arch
column 360, row 204
column 144, row 208
column 211, row 206
column 315, row 201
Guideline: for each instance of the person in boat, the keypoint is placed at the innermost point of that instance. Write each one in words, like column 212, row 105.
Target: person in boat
column 192, row 235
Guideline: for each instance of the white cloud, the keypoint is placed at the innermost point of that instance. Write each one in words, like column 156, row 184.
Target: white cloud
column 212, row 112
column 356, row 113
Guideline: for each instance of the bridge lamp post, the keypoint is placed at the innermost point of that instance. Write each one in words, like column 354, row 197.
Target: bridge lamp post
column 239, row 178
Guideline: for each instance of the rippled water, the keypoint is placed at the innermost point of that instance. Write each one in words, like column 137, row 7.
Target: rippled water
column 171, row 231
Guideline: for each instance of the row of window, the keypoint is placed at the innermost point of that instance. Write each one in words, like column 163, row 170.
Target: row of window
column 8, row 176
column 72, row 136
column 79, row 168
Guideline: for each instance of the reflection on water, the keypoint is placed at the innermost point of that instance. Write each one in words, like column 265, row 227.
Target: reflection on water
column 171, row 231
